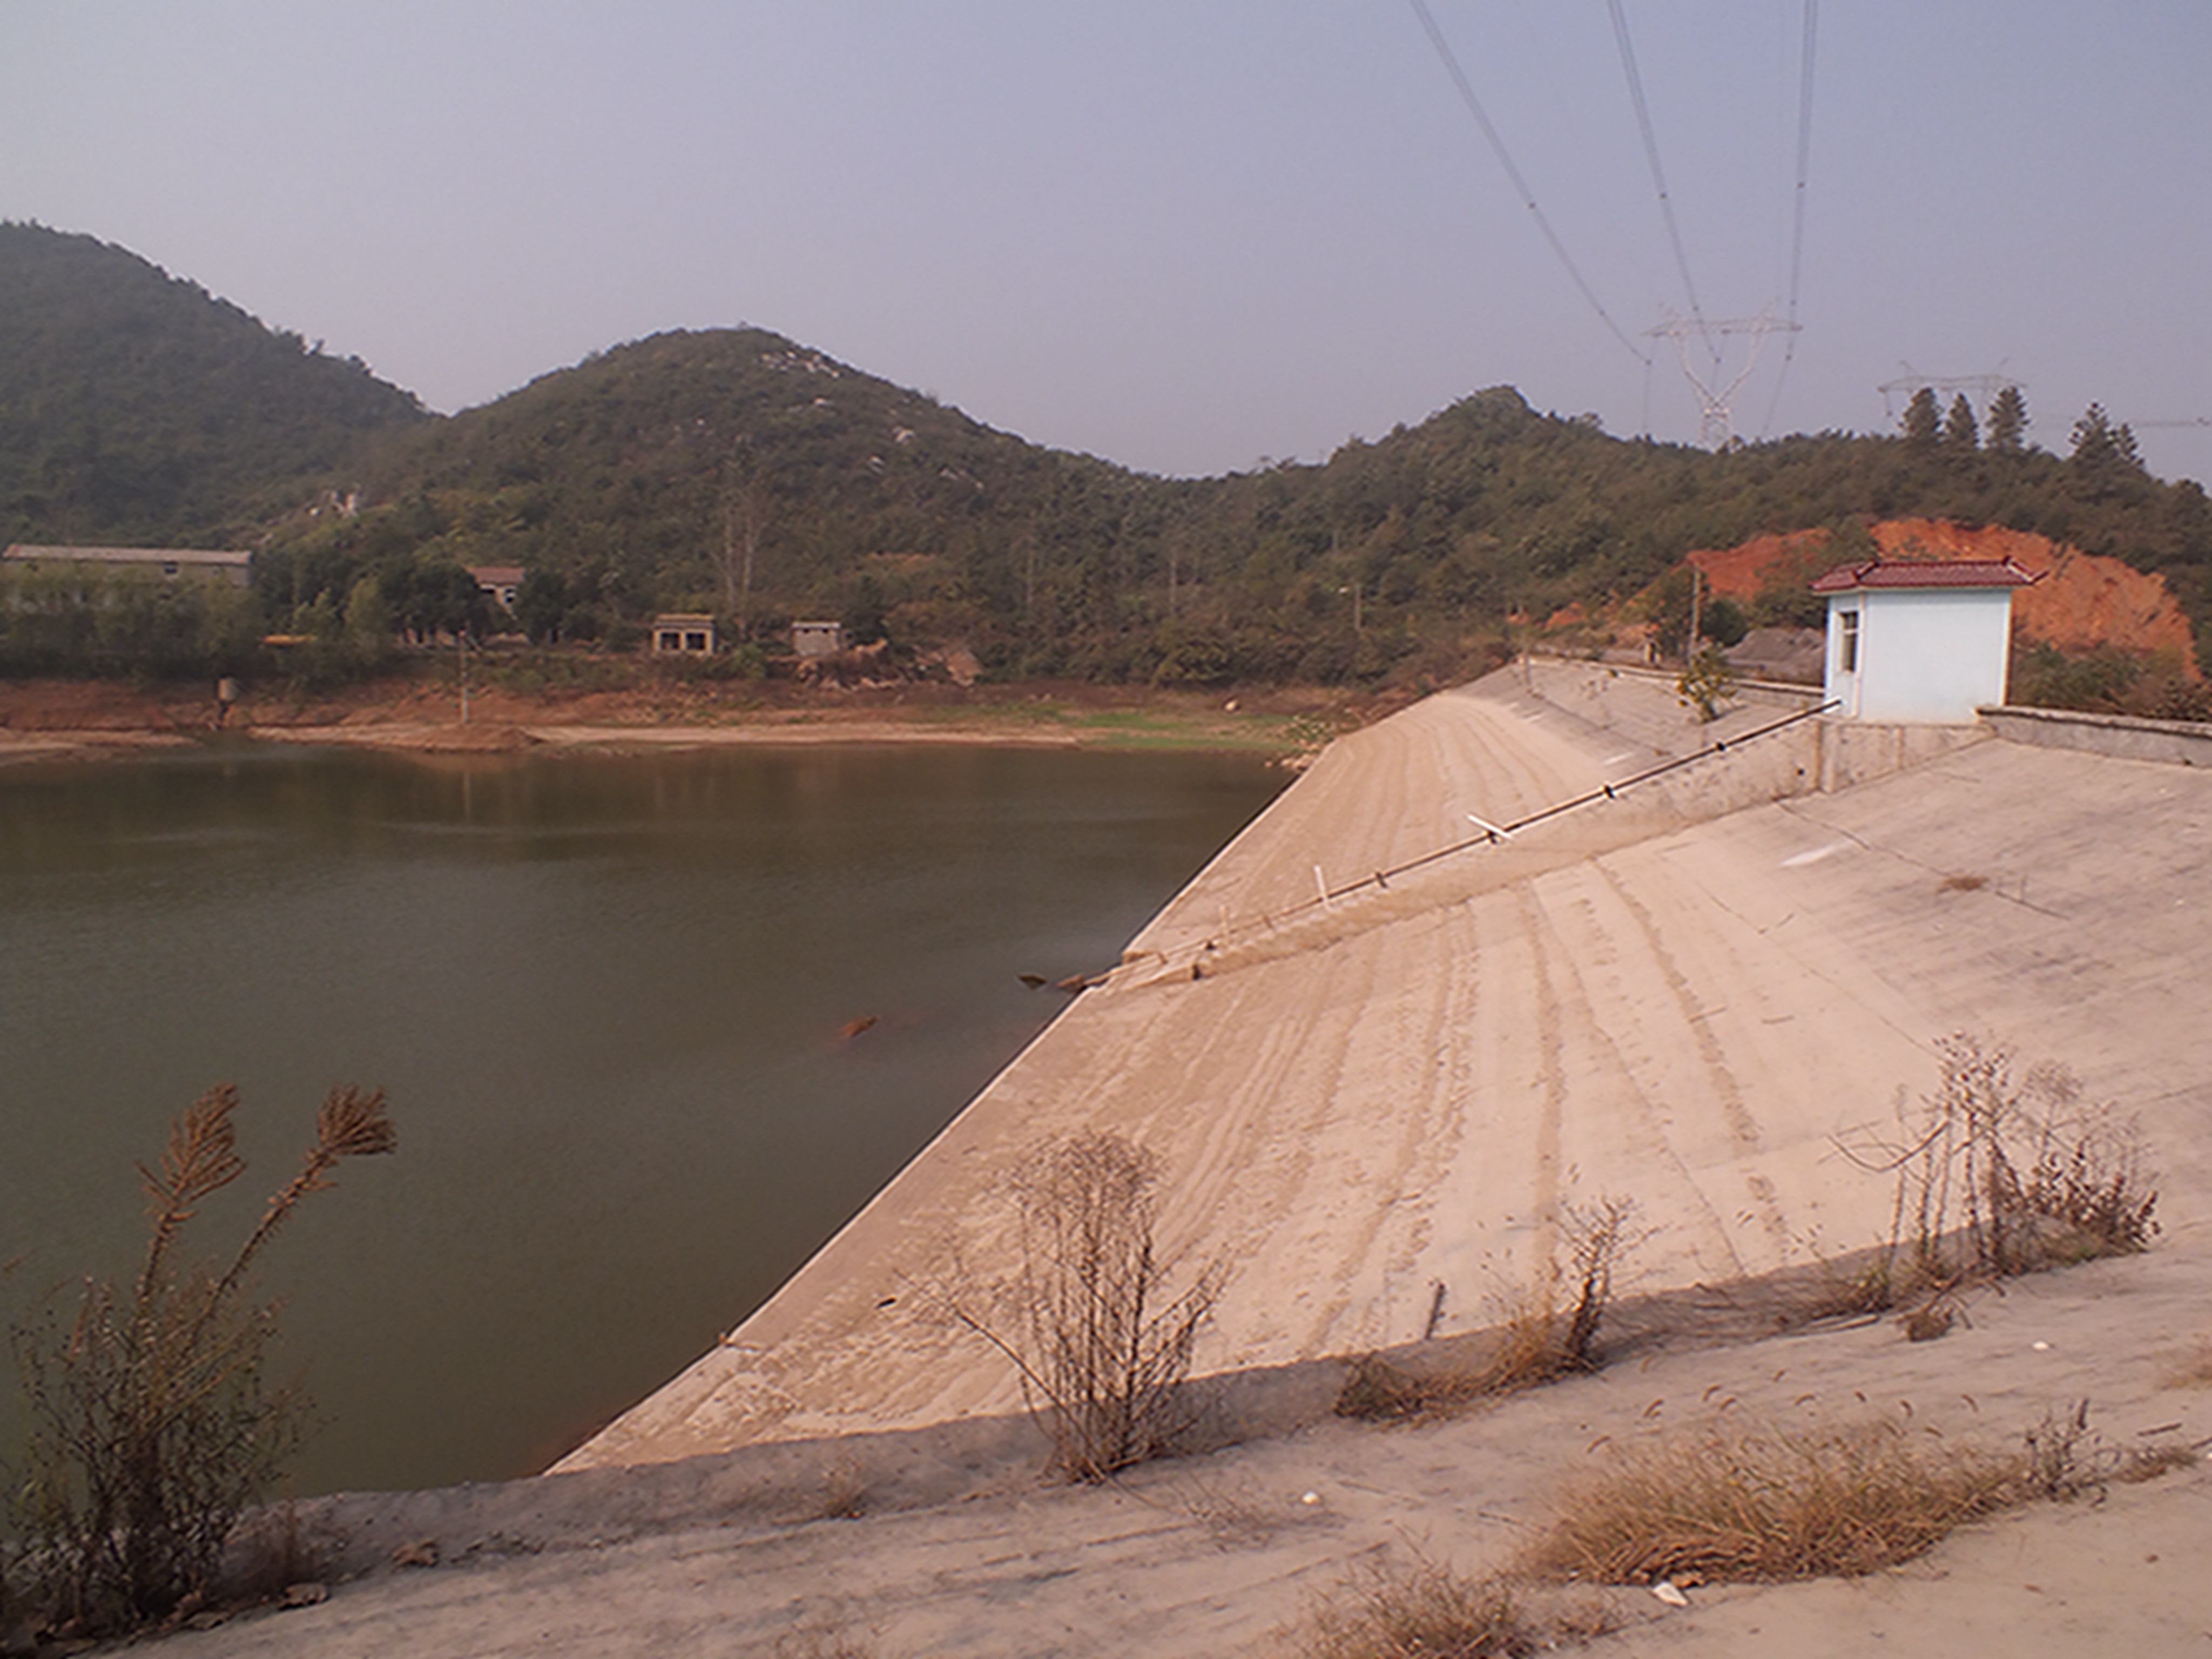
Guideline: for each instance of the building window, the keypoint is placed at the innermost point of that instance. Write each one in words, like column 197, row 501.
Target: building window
column 1847, row 649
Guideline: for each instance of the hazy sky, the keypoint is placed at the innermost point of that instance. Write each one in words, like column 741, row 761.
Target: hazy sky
column 1181, row 234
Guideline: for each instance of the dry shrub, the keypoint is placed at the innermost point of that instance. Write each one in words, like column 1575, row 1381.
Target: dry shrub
column 1734, row 1503
column 152, row 1425
column 844, row 1491
column 1377, row 1391
column 1997, row 1176
column 1549, row 1330
column 1415, row 1610
column 1102, row 1349
column 2062, row 1458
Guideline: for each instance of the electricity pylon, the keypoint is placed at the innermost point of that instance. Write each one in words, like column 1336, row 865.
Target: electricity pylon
column 1717, row 424
column 1910, row 382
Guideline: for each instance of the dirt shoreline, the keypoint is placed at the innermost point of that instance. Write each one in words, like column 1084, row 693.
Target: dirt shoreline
column 71, row 721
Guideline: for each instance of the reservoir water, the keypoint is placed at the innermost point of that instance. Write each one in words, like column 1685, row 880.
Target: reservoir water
column 610, row 998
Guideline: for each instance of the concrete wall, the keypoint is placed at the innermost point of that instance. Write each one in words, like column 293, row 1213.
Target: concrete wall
column 2179, row 742
column 1639, row 706
column 1859, row 751
column 1925, row 656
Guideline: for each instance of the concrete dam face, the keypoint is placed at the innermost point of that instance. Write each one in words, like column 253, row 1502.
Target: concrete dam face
column 1376, row 1095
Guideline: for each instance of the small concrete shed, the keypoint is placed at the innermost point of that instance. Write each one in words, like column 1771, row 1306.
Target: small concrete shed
column 818, row 638
column 1919, row 642
column 685, row 634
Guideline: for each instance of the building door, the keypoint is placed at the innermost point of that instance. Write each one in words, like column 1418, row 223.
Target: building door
column 1846, row 652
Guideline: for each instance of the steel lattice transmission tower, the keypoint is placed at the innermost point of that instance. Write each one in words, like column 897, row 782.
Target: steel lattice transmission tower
column 1717, row 424
column 1910, row 382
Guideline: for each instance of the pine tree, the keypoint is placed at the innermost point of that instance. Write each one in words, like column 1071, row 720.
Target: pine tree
column 2104, row 459
column 1960, row 431
column 1924, row 423
column 2008, row 422
column 2101, row 442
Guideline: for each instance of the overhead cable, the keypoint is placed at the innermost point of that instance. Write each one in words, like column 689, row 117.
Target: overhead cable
column 1651, row 154
column 1520, row 185
column 1806, row 52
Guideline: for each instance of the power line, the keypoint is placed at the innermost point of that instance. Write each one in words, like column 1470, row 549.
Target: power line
column 1806, row 54
column 1520, row 185
column 1651, row 154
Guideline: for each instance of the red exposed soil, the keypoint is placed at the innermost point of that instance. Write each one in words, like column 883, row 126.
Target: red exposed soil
column 1739, row 573
column 2084, row 599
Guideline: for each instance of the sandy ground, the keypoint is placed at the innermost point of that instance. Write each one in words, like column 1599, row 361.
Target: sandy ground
column 1215, row 1556
column 1655, row 998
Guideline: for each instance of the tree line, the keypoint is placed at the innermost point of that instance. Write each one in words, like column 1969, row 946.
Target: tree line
column 739, row 472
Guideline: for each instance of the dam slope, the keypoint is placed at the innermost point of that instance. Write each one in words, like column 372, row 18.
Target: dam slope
column 1693, row 997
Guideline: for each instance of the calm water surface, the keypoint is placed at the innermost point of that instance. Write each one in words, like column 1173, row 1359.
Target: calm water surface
column 605, row 996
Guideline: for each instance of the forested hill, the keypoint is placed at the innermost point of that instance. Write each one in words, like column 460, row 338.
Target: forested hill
column 135, row 407
column 739, row 471
column 730, row 470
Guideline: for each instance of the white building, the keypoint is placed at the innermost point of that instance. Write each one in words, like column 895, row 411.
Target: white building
column 1919, row 642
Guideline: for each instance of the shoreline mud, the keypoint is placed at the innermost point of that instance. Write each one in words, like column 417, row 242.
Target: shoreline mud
column 73, row 721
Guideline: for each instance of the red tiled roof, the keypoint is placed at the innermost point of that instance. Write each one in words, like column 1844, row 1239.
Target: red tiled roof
column 1925, row 573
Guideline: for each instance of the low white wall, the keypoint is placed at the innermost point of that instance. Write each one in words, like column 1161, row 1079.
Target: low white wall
column 2177, row 743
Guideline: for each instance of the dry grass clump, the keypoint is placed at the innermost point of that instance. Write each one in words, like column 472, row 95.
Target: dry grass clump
column 1549, row 1331
column 1415, row 1609
column 1727, row 1504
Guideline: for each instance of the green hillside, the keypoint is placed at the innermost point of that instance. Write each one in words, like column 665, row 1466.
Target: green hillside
column 136, row 407
column 739, row 471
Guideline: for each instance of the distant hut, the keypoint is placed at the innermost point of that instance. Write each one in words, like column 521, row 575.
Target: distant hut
column 500, row 583
column 685, row 634
column 818, row 638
